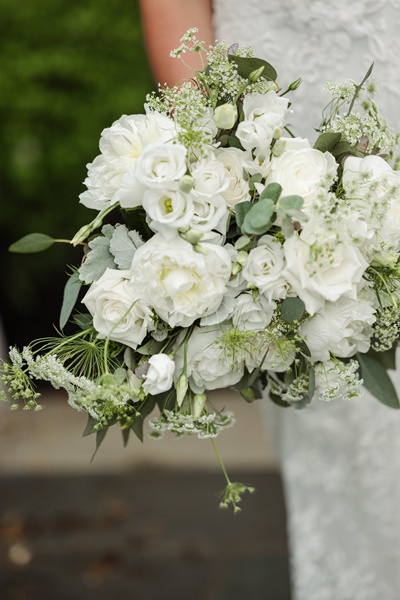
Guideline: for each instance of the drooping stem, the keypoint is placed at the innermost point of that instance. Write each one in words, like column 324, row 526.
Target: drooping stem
column 217, row 454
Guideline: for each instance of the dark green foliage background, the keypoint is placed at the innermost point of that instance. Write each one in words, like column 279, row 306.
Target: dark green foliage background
column 68, row 69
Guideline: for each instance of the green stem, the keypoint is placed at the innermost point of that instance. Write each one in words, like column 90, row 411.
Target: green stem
column 70, row 339
column 228, row 481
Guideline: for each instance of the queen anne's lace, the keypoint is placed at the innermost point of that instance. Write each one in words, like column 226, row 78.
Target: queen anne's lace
column 341, row 460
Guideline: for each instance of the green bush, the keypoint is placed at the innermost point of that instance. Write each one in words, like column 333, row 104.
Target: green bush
column 69, row 69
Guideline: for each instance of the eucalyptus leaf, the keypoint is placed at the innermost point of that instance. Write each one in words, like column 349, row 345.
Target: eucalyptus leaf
column 241, row 209
column 342, row 147
column 292, row 309
column 71, row 293
column 123, row 245
column 272, row 191
column 290, row 202
column 327, row 141
column 150, row 348
column 377, row 381
column 258, row 219
column 33, row 242
column 256, row 178
column 247, row 65
column 387, row 358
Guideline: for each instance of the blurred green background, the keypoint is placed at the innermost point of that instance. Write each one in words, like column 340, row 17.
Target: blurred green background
column 69, row 68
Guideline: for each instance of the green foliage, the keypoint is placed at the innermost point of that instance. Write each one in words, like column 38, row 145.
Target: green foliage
column 247, row 65
column 292, row 309
column 68, row 70
column 376, row 379
column 33, row 242
column 70, row 296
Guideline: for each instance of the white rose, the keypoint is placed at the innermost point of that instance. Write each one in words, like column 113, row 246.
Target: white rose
column 121, row 145
column 210, row 213
column 161, row 164
column 116, row 310
column 252, row 314
column 264, row 268
column 322, row 265
column 160, row 376
column 178, row 282
column 303, row 172
column 341, row 328
column 225, row 116
column 208, row 365
column 210, row 178
column 168, row 210
column 232, row 161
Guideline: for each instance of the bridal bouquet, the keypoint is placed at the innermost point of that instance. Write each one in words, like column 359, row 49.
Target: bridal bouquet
column 239, row 256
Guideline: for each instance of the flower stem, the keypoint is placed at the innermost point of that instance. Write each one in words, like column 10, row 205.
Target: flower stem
column 217, row 454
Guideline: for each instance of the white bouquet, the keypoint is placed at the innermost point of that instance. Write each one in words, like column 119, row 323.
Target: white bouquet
column 245, row 257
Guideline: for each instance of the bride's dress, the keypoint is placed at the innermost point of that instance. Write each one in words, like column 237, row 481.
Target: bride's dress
column 340, row 460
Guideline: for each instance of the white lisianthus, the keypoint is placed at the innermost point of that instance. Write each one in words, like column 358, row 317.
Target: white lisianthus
column 121, row 145
column 372, row 185
column 264, row 116
column 161, row 164
column 303, row 171
column 264, row 268
column 168, row 210
column 160, row 375
column 210, row 178
column 232, row 161
column 341, row 328
column 225, row 116
column 117, row 311
column 178, row 282
column 252, row 314
column 261, row 163
column 257, row 105
column 322, row 264
column 208, row 364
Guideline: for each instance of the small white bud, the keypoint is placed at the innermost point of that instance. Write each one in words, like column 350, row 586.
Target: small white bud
column 225, row 116
column 186, row 183
column 181, row 387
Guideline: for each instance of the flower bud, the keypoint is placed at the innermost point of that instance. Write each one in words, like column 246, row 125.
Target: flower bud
column 181, row 387
column 242, row 257
column 225, row 116
column 193, row 236
column 186, row 183
column 199, row 401
column 237, row 267
column 293, row 86
column 255, row 75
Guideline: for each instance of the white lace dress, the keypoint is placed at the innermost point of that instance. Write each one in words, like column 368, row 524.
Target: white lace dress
column 340, row 460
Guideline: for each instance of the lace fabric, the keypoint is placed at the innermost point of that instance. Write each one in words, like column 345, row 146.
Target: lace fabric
column 340, row 460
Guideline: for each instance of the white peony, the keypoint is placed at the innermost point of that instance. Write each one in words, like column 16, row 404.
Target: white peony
column 238, row 188
column 178, row 282
column 264, row 268
column 341, row 328
column 116, row 310
column 208, row 364
column 252, row 314
column 160, row 376
column 322, row 264
column 302, row 171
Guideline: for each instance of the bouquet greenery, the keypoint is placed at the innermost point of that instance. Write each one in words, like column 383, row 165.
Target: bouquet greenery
column 245, row 257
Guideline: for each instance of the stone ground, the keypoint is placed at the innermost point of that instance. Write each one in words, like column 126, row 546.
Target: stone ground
column 140, row 523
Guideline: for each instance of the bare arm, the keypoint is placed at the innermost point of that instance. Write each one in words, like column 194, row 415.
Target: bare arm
column 164, row 23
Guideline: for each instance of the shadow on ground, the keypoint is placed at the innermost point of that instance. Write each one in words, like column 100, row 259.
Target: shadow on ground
column 150, row 535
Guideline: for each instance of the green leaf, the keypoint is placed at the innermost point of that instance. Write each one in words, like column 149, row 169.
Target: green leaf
column 247, row 65
column 256, row 178
column 377, row 381
column 241, row 210
column 150, row 348
column 327, row 141
column 387, row 358
column 272, row 191
column 137, row 425
column 123, row 245
column 100, row 435
column 99, row 258
column 71, row 293
column 258, row 219
column 292, row 309
column 83, row 320
column 234, row 142
column 125, row 435
column 343, row 147
column 291, row 203
column 33, row 242
column 89, row 429
column 311, row 382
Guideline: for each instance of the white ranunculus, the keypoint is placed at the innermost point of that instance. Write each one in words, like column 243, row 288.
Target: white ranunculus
column 368, row 183
column 160, row 376
column 121, row 145
column 303, row 172
column 208, row 364
column 210, row 214
column 341, row 328
column 275, row 355
column 168, row 210
column 178, row 282
column 232, row 161
column 322, row 265
column 252, row 314
column 116, row 310
column 210, row 178
column 264, row 268
column 225, row 116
